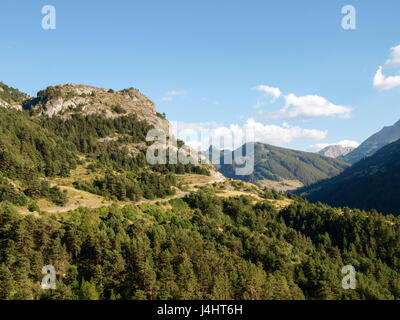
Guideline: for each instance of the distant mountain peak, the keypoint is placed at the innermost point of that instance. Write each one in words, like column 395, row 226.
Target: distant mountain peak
column 335, row 151
column 371, row 183
column 281, row 165
column 374, row 143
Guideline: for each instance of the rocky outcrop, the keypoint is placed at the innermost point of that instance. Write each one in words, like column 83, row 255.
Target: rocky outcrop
column 4, row 104
column 65, row 100
column 68, row 99
column 11, row 98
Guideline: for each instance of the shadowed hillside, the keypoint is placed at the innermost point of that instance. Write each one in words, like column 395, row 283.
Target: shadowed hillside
column 372, row 183
column 280, row 164
column 373, row 144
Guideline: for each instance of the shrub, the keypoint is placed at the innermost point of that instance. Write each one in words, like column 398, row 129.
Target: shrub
column 118, row 109
column 32, row 207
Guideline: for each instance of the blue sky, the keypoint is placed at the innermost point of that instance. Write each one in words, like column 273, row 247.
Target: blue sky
column 201, row 62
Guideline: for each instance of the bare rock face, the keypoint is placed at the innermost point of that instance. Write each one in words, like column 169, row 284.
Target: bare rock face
column 335, row 151
column 218, row 176
column 7, row 105
column 3, row 104
column 68, row 99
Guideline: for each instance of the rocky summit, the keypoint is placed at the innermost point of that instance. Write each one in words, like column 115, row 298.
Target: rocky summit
column 335, row 151
column 68, row 99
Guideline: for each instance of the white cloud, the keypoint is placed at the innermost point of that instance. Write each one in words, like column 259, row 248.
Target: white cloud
column 394, row 60
column 195, row 126
column 282, row 134
column 382, row 82
column 171, row 94
column 343, row 143
column 268, row 91
column 201, row 135
column 348, row 144
column 308, row 106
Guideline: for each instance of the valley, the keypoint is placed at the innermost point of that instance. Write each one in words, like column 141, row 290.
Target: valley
column 284, row 169
column 77, row 192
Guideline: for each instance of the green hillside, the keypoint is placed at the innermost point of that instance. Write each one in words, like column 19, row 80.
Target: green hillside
column 274, row 163
column 11, row 95
column 38, row 154
column 201, row 247
column 77, row 193
column 372, row 183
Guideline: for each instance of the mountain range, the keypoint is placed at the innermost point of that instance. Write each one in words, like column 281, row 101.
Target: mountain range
column 335, row 151
column 115, row 124
column 283, row 169
column 75, row 144
column 77, row 192
column 371, row 183
column 375, row 142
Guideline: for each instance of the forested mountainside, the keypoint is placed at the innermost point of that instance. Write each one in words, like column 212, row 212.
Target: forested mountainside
column 372, row 183
column 38, row 152
column 279, row 164
column 201, row 247
column 373, row 143
column 77, row 193
column 11, row 97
